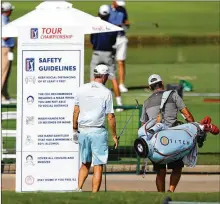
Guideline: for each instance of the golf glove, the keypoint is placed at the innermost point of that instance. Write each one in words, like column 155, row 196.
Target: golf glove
column 75, row 137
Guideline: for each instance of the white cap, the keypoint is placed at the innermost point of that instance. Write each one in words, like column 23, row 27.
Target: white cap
column 104, row 10
column 154, row 78
column 101, row 69
column 6, row 6
column 120, row 2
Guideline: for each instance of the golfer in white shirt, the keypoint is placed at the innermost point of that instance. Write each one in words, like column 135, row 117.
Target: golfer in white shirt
column 93, row 102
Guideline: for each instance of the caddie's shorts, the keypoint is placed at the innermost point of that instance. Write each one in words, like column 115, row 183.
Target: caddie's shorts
column 176, row 164
column 105, row 57
column 93, row 145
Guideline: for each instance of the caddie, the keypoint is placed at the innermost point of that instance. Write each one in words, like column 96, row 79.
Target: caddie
column 163, row 106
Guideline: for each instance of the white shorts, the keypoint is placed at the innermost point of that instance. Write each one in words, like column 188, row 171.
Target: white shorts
column 121, row 48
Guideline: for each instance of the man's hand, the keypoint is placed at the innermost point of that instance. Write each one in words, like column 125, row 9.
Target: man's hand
column 75, row 136
column 115, row 139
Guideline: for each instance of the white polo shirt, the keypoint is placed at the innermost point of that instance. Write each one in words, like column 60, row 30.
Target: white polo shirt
column 94, row 101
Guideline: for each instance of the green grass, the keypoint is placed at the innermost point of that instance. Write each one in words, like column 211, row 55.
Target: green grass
column 201, row 63
column 174, row 18
column 109, row 198
column 196, row 105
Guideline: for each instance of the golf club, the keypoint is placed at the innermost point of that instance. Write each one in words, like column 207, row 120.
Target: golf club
column 137, row 105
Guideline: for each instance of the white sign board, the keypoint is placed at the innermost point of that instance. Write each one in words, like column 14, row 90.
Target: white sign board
column 50, row 68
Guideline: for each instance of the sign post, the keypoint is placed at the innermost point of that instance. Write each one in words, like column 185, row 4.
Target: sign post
column 50, row 68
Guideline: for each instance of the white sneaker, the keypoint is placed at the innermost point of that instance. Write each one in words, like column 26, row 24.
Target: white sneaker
column 78, row 190
column 5, row 102
column 12, row 100
column 122, row 88
column 119, row 109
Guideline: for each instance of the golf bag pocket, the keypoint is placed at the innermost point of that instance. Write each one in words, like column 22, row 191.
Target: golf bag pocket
column 144, row 128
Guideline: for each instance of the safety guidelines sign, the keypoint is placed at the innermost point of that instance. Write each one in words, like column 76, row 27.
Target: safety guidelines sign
column 50, row 68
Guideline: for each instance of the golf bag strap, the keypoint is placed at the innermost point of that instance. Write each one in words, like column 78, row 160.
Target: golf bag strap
column 165, row 96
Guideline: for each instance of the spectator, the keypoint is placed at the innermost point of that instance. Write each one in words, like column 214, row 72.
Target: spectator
column 103, row 53
column 92, row 102
column 119, row 17
column 151, row 109
column 7, row 54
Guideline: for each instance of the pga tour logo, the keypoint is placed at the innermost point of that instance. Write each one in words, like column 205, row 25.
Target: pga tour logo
column 29, row 64
column 34, row 33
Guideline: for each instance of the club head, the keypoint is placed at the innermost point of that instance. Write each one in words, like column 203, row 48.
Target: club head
column 137, row 104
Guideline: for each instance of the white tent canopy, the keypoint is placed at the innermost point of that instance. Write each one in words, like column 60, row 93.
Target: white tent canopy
column 58, row 13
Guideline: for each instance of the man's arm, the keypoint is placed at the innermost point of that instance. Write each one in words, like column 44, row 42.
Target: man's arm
column 112, row 123
column 76, row 112
column 125, row 19
column 187, row 114
column 111, row 118
column 144, row 117
column 75, row 117
column 182, row 107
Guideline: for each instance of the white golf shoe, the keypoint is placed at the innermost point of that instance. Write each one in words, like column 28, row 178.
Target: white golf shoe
column 122, row 88
column 77, row 190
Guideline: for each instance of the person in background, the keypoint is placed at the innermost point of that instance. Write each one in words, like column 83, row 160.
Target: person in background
column 7, row 54
column 151, row 109
column 118, row 16
column 103, row 53
column 93, row 101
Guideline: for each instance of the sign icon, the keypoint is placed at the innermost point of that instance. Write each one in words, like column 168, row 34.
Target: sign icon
column 28, row 140
column 29, row 64
column 30, row 100
column 34, row 33
column 29, row 180
column 30, row 79
column 30, row 120
column 29, row 161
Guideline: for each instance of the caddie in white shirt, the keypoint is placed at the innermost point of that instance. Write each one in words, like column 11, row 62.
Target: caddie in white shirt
column 93, row 101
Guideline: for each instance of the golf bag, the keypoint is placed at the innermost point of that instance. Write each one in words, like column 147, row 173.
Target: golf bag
column 166, row 145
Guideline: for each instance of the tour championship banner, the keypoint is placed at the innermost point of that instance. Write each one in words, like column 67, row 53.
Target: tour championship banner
column 50, row 68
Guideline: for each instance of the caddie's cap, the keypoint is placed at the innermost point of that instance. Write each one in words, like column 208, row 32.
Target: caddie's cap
column 6, row 6
column 154, row 78
column 104, row 10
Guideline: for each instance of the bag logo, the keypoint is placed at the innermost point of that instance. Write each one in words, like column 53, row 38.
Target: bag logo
column 164, row 141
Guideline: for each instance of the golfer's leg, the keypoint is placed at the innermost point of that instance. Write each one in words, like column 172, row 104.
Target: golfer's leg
column 85, row 157
column 97, row 178
column 110, row 62
column 161, row 175
column 83, row 174
column 121, row 52
column 94, row 62
column 116, row 87
column 160, row 180
column 99, row 155
column 5, row 65
column 121, row 71
column 176, row 173
column 5, row 87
